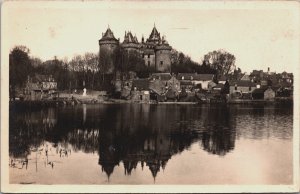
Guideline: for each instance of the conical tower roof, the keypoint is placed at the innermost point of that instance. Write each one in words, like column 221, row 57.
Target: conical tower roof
column 129, row 38
column 108, row 35
column 154, row 36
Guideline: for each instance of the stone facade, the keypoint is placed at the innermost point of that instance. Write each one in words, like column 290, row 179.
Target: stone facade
column 155, row 51
column 192, row 79
column 242, row 86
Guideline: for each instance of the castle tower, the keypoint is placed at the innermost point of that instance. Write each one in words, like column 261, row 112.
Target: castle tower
column 108, row 45
column 163, row 56
column 148, row 47
column 130, row 42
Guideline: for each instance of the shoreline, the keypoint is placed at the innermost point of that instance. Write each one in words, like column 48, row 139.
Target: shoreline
column 70, row 102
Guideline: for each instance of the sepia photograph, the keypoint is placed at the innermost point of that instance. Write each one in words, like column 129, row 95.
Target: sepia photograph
column 150, row 96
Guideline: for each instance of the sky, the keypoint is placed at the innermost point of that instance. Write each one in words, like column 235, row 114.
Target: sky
column 259, row 34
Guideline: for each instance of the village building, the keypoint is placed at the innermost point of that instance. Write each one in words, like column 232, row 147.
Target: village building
column 217, row 89
column 160, row 82
column 264, row 93
column 221, row 88
column 256, row 75
column 246, row 77
column 140, row 91
column 155, row 51
column 123, row 83
column 241, row 88
column 190, row 80
column 40, row 87
column 288, row 77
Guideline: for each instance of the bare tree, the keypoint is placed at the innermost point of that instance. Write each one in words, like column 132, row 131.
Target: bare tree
column 91, row 62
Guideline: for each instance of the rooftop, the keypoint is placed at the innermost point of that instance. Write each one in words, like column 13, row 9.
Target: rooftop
column 42, row 78
column 243, row 83
column 129, row 38
column 108, row 35
column 194, row 76
column 161, row 76
column 140, row 84
column 154, row 36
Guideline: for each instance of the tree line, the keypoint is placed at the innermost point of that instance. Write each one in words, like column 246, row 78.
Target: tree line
column 87, row 70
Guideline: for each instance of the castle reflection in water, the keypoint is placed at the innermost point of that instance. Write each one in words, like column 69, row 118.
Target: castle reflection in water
column 136, row 134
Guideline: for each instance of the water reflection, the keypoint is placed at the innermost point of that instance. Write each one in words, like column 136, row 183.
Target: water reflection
column 132, row 135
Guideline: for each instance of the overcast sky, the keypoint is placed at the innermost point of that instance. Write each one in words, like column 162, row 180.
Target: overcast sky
column 260, row 35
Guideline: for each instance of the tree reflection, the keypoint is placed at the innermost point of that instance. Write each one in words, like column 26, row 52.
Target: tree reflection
column 219, row 135
column 128, row 134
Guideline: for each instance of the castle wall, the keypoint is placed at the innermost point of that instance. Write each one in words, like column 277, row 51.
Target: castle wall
column 149, row 60
column 163, row 60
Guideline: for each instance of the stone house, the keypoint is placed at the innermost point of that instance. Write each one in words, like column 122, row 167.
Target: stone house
column 162, row 82
column 192, row 79
column 123, row 83
column 264, row 93
column 40, row 87
column 140, row 91
column 269, row 94
column 241, row 87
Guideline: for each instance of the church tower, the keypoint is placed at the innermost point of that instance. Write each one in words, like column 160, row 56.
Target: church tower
column 108, row 45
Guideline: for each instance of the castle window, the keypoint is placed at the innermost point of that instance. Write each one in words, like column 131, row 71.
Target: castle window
column 161, row 63
column 143, row 55
column 249, row 88
column 148, row 55
column 235, row 87
column 148, row 63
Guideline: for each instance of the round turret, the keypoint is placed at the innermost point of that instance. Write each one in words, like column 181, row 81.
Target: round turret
column 163, row 56
column 108, row 45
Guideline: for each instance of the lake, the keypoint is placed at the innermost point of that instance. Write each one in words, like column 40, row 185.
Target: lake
column 151, row 144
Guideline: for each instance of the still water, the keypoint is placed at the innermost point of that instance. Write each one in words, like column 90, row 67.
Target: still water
column 151, row 144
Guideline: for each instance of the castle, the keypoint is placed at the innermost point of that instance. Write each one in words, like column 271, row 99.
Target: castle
column 155, row 51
